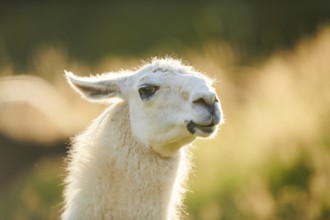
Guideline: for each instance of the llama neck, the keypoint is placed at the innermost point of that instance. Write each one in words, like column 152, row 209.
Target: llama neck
column 123, row 178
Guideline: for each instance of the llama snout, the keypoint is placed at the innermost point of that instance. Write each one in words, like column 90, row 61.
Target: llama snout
column 206, row 117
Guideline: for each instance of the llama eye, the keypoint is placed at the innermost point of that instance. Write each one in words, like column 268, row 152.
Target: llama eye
column 146, row 91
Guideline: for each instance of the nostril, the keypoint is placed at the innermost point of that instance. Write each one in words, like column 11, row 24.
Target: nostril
column 204, row 103
column 205, row 99
column 200, row 101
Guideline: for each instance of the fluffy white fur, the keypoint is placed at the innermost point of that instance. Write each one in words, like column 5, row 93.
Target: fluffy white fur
column 131, row 163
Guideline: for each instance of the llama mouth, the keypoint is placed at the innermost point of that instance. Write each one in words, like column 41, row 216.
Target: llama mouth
column 193, row 127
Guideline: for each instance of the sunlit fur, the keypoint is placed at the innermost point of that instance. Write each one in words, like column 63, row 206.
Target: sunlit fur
column 131, row 163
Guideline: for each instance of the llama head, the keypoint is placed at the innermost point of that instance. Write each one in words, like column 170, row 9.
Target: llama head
column 170, row 104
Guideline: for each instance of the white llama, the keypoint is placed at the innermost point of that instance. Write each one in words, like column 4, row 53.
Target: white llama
column 131, row 163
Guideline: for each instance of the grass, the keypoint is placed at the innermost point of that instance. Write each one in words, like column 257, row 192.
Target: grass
column 36, row 194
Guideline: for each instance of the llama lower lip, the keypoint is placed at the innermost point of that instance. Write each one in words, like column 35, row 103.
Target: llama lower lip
column 192, row 127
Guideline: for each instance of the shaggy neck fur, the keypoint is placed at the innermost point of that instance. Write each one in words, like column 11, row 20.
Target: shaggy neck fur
column 113, row 176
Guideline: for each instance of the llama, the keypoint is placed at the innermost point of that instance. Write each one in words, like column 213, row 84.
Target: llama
column 131, row 162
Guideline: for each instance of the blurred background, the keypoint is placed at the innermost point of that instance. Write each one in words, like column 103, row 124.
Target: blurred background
column 271, row 59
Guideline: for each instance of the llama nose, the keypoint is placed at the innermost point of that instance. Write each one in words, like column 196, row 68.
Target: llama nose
column 207, row 100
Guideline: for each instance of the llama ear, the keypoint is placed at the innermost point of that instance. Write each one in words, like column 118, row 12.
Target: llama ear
column 94, row 88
